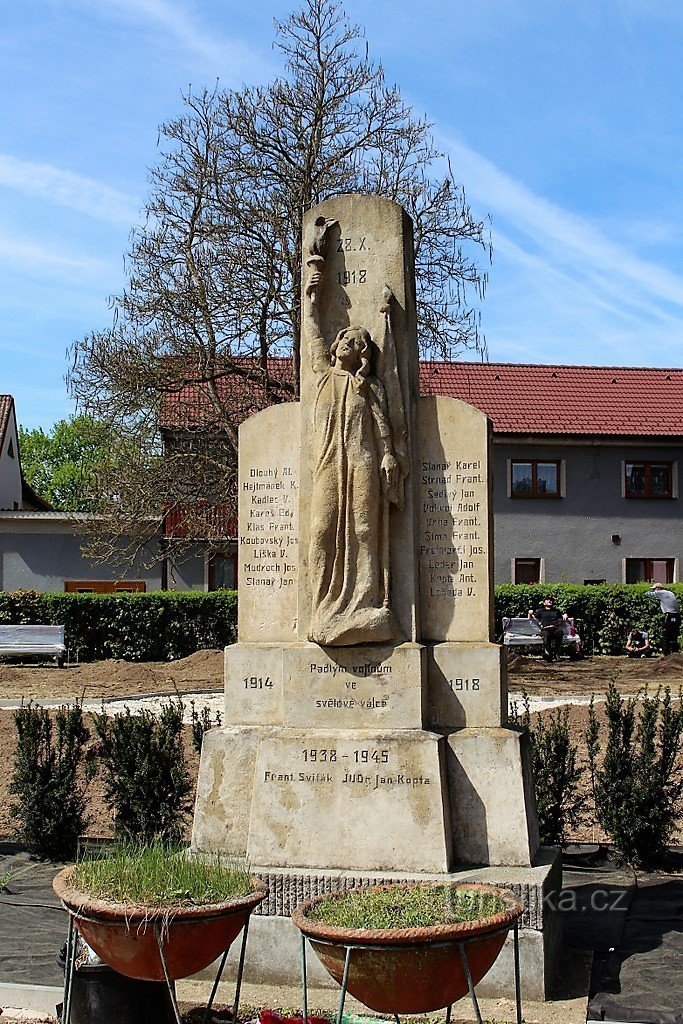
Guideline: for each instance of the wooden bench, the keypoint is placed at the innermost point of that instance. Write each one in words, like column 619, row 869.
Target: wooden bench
column 36, row 641
column 527, row 633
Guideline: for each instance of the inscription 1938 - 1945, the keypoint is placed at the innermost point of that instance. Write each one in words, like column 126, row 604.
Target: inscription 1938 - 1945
column 268, row 538
column 369, row 768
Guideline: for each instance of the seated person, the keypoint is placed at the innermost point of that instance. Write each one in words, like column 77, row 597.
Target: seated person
column 551, row 621
column 638, row 644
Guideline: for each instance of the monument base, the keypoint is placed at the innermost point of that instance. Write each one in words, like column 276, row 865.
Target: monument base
column 274, row 946
column 492, row 797
column 302, row 798
column 367, row 799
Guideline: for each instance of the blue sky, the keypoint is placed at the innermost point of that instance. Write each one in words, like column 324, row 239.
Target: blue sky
column 562, row 119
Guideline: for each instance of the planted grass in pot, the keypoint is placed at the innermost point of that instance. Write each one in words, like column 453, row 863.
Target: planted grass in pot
column 401, row 944
column 139, row 901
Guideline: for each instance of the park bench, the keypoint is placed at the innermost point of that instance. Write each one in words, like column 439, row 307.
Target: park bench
column 527, row 633
column 34, row 641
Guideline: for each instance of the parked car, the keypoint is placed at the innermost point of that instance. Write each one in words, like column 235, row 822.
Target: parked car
column 527, row 633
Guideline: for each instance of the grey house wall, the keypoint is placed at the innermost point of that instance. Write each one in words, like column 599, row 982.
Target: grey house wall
column 572, row 534
column 40, row 550
column 41, row 553
column 191, row 573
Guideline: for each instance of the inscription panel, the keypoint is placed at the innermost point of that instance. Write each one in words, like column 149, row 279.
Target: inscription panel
column 355, row 687
column 455, row 551
column 316, row 791
column 268, row 482
column 253, row 684
column 467, row 685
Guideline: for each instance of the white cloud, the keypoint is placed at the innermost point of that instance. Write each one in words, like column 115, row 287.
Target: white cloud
column 596, row 290
column 26, row 256
column 64, row 188
column 233, row 60
column 616, row 277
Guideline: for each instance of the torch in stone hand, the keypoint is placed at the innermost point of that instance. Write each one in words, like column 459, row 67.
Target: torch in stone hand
column 317, row 252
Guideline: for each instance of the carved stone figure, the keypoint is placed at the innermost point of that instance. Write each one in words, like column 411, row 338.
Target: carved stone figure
column 357, row 478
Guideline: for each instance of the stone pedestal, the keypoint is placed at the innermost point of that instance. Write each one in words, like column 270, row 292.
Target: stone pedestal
column 467, row 685
column 494, row 819
column 303, row 684
column 306, row 798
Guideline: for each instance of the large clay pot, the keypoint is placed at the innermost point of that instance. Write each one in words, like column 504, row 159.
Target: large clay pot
column 411, row 970
column 125, row 937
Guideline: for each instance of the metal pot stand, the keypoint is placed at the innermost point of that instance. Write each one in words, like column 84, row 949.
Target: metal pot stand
column 71, row 949
column 463, row 956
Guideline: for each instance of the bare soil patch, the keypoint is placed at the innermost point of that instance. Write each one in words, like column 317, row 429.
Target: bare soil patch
column 592, row 675
column 113, row 678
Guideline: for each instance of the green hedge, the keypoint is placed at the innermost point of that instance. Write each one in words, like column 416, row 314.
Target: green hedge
column 166, row 625
column 605, row 613
column 139, row 627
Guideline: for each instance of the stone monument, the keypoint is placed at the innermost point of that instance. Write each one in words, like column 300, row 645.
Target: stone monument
column 365, row 703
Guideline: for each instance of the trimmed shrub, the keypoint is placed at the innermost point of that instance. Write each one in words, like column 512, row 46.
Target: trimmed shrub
column 49, row 781
column 146, row 781
column 165, row 625
column 604, row 613
column 201, row 723
column 639, row 784
column 159, row 626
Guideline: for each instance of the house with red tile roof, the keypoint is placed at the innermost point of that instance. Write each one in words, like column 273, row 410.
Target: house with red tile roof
column 586, row 463
column 585, row 477
column 586, row 467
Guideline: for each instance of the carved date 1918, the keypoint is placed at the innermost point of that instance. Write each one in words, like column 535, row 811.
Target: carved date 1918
column 458, row 685
column 352, row 276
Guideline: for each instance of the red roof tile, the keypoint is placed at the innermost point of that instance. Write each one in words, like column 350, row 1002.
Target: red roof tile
column 519, row 398
column 192, row 406
column 578, row 400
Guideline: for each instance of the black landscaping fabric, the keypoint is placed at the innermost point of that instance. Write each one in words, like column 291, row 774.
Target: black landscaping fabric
column 636, row 933
column 33, row 925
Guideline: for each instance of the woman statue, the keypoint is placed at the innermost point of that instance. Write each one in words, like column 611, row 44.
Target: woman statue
column 356, row 480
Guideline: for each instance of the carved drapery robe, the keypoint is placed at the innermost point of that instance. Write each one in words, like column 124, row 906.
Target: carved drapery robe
column 352, row 431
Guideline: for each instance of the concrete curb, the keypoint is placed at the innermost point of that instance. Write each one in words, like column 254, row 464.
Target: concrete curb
column 22, row 1002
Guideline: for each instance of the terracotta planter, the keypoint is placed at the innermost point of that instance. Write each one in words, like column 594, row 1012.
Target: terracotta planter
column 125, row 936
column 411, row 970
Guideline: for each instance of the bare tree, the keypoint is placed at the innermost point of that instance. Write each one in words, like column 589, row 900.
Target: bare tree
column 214, row 274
